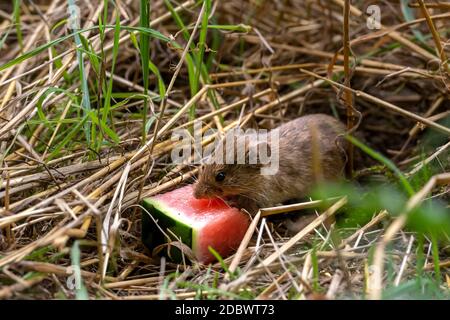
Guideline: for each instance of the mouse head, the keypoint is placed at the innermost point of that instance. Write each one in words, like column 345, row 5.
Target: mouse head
column 233, row 169
column 223, row 180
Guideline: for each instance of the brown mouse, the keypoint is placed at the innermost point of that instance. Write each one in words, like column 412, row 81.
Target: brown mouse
column 310, row 148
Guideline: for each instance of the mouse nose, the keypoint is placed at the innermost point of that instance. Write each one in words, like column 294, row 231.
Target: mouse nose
column 199, row 192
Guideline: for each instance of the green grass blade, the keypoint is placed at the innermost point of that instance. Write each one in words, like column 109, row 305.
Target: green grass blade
column 176, row 17
column 388, row 163
column 75, row 254
column 104, row 127
column 41, row 99
column 201, row 52
column 235, row 28
column 42, row 48
column 161, row 85
column 107, row 103
column 408, row 14
column 16, row 14
column 315, row 267
column 221, row 261
column 67, row 138
column 145, row 57
column 3, row 39
column 435, row 253
column 85, row 100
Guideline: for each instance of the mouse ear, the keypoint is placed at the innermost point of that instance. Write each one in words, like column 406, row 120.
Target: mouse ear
column 258, row 150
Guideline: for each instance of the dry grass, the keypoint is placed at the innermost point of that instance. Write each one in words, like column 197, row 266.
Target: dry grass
column 276, row 61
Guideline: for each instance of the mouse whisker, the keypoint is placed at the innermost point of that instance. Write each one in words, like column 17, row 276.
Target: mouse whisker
column 250, row 192
column 224, row 201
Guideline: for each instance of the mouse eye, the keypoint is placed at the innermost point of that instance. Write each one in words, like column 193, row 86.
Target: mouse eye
column 220, row 177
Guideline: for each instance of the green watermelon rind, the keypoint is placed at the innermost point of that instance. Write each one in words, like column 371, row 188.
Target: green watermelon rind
column 183, row 227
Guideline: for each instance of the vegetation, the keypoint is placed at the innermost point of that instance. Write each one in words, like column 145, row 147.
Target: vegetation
column 90, row 92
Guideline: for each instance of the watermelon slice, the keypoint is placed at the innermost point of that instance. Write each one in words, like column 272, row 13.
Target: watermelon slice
column 198, row 222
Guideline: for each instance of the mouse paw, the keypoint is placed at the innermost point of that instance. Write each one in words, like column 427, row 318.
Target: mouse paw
column 297, row 224
column 244, row 203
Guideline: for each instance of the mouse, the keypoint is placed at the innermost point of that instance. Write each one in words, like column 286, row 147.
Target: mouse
column 310, row 149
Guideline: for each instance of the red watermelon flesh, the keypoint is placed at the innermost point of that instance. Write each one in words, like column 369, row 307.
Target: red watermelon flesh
column 200, row 222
